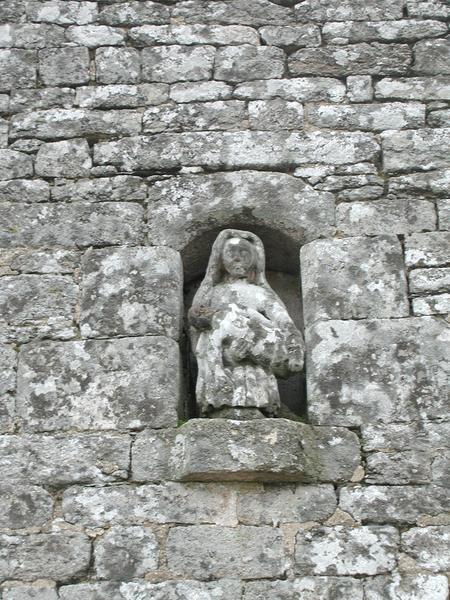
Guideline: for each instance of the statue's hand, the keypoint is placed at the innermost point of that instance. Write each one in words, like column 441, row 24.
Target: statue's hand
column 200, row 317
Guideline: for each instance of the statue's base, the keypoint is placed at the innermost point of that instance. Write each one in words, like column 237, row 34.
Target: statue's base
column 263, row 450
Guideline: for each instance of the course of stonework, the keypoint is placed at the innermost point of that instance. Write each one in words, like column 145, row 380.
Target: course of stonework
column 131, row 134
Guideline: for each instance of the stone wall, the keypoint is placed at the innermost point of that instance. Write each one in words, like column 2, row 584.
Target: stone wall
column 130, row 133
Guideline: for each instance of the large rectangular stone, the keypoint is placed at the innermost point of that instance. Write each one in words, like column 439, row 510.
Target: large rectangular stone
column 116, row 96
column 44, row 590
column 134, row 13
column 57, row 261
column 60, row 556
column 30, row 35
column 353, row 278
column 211, row 116
column 169, row 64
column 432, row 57
column 350, row 32
column 80, row 224
column 243, row 63
column 14, row 165
column 62, row 12
column 24, row 190
column 221, row 35
column 121, row 188
column 24, row 506
column 8, row 367
column 378, row 370
column 127, row 383
column 414, row 88
column 183, row 503
column 343, row 550
column 17, row 69
column 407, row 587
column 343, row 10
column 429, row 547
column 37, row 306
column 421, row 149
column 60, row 460
column 151, row 458
column 420, row 435
column 431, row 305
column 243, row 149
column 233, row 11
column 300, row 89
column 425, row 281
column 206, row 551
column 132, row 291
column 41, row 98
column 305, row 588
column 427, row 249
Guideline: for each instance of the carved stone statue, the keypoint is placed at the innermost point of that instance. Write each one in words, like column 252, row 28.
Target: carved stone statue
column 241, row 333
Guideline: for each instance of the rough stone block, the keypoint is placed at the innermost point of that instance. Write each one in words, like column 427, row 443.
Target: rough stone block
column 352, row 10
column 301, row 89
column 131, row 291
column 427, row 9
column 275, row 114
column 34, row 591
column 121, row 95
column 431, row 305
column 429, row 546
column 368, row 117
column 152, row 455
column 37, row 306
column 23, row 506
column 393, row 503
column 8, row 365
column 62, row 12
column 134, row 13
column 357, row 59
column 14, row 165
column 423, row 149
column 117, row 65
column 23, row 100
column 62, row 460
column 385, row 216
column 93, row 36
column 183, row 503
column 64, row 66
column 206, row 551
column 414, row 88
column 305, row 588
column 12, row 10
column 420, row 435
column 236, row 11
column 219, row 115
column 24, row 190
column 263, row 450
column 359, row 88
column 58, row 556
column 79, row 224
column 287, row 504
column 69, row 158
column 427, row 249
column 444, row 214
column 433, row 183
column 150, row 35
column 343, row 550
column 423, row 281
column 297, row 36
column 378, row 370
column 432, row 57
column 407, row 587
column 439, row 118
column 169, row 64
column 126, row 383
column 123, row 188
column 349, row 32
column 243, row 63
column 353, row 278
column 124, row 553
column 17, row 69
column 89, row 591
column 399, row 468
column 30, row 35
column 226, row 589
column 200, row 91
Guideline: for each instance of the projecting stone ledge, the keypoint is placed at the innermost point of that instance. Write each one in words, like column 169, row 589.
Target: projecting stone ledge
column 263, row 450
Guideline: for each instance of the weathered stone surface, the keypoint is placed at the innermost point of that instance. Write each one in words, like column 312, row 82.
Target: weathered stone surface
column 427, row 8
column 398, row 468
column 262, row 450
column 291, row 36
column 350, row 32
column 444, row 214
column 429, row 546
column 353, row 278
column 126, row 383
column 243, row 63
column 287, row 504
column 431, row 305
column 64, row 66
column 37, row 306
column 30, row 35
column 8, row 365
column 89, row 591
column 424, row 149
column 12, row 10
column 385, row 216
column 206, row 551
column 368, row 117
column 41, row 98
column 184, row 503
column 414, row 88
column 93, row 36
column 24, row 506
column 275, row 114
column 357, row 59
column 380, row 370
column 235, row 11
column 152, row 455
column 433, row 182
column 306, row 588
column 14, row 165
column 359, row 88
column 122, row 95
column 66, row 123
column 393, row 503
column 62, row 12
column 134, row 13
column 35, row 591
column 219, row 115
column 169, row 64
column 24, row 190
column 124, row 553
column 423, row 281
column 69, row 158
column 45, row 555
column 149, row 35
column 79, row 224
column 439, row 118
column 427, row 249
column 200, row 91
column 336, row 10
column 131, row 291
column 421, row 435
column 17, row 69
column 105, row 189
column 301, row 89
column 62, row 460
column 408, row 587
column 432, row 57
column 117, row 65
column 346, row 550
column 441, row 469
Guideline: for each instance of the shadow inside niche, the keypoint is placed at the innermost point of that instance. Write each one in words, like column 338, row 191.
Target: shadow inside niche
column 282, row 271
